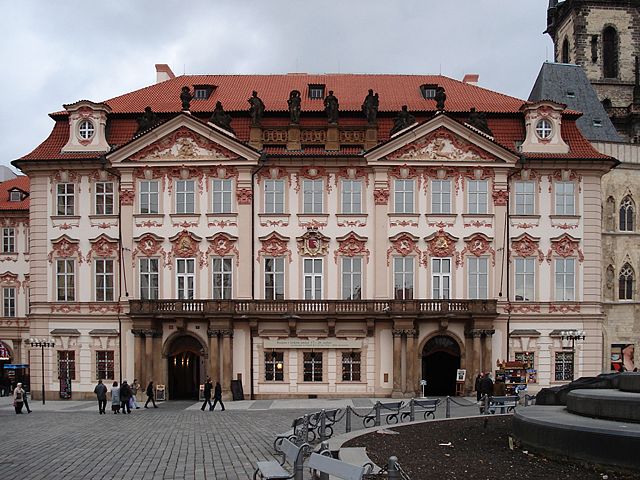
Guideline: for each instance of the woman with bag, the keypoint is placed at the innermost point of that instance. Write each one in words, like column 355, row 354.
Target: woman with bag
column 18, row 398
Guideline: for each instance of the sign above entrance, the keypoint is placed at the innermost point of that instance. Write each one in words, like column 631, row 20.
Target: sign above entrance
column 308, row 343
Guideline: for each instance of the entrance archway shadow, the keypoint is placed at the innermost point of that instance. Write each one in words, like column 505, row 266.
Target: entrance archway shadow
column 440, row 362
column 184, row 353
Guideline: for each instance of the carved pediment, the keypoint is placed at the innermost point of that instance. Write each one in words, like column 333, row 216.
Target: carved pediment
column 441, row 144
column 184, row 144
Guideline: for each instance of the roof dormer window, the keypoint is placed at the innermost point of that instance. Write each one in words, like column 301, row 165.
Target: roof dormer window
column 544, row 129
column 15, row 196
column 316, row 92
column 202, row 92
column 428, row 92
column 86, row 129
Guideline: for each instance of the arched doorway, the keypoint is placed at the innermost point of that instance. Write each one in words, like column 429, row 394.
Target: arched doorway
column 440, row 360
column 184, row 358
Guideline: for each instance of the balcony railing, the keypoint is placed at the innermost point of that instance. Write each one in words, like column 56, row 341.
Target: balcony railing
column 310, row 307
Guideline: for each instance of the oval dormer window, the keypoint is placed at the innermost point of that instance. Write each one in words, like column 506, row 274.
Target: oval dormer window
column 543, row 129
column 86, row 130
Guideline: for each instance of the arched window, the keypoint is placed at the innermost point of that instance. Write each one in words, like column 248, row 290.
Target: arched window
column 610, row 53
column 565, row 51
column 626, row 214
column 625, row 289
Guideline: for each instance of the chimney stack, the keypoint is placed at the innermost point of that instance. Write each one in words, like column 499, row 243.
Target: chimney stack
column 471, row 78
column 163, row 72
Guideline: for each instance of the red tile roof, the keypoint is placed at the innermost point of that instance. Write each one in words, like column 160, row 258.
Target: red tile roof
column 21, row 182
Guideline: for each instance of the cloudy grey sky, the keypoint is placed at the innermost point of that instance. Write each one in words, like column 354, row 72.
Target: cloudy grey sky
column 56, row 52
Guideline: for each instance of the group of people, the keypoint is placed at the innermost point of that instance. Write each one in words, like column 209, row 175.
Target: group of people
column 217, row 395
column 485, row 386
column 123, row 397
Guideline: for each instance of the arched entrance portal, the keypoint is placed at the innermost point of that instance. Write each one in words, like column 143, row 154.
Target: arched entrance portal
column 184, row 357
column 440, row 360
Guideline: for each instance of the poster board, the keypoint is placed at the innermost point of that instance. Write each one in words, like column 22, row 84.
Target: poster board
column 160, row 393
column 461, row 375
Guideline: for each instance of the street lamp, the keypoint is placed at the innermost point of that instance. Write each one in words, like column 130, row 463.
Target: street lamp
column 42, row 344
column 573, row 335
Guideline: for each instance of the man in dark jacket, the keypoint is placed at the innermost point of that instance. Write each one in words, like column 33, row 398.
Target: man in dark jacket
column 150, row 397
column 486, row 385
column 125, row 396
column 208, row 386
column 101, row 393
column 217, row 396
column 477, row 386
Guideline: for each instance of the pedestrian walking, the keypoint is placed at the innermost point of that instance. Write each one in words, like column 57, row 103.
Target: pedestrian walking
column 208, row 386
column 150, row 395
column 115, row 398
column 125, row 396
column 101, row 393
column 217, row 396
column 135, row 386
column 25, row 399
column 18, row 398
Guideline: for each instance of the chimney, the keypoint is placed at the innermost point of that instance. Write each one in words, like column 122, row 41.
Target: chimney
column 471, row 78
column 163, row 72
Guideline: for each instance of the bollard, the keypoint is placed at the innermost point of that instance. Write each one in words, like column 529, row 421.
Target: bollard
column 377, row 407
column 485, row 402
column 305, row 428
column 393, row 473
column 348, row 414
column 447, row 411
column 526, row 400
column 412, row 415
column 323, row 424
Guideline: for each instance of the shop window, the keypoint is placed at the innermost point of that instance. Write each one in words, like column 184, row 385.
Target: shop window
column 104, row 364
column 351, row 366
column 67, row 364
column 564, row 366
column 527, row 358
column 274, row 366
column 312, row 366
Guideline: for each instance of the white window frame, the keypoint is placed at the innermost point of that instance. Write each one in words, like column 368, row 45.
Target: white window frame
column 349, row 361
column 104, row 195
column 274, row 196
column 65, row 199
column 86, row 129
column 221, row 278
column 441, row 278
column 313, row 360
column 404, row 275
column 565, row 279
column 9, row 301
column 148, row 276
column 525, row 197
column 104, row 279
column 312, row 281
column 561, row 358
column 15, row 196
column 8, row 240
column 544, row 129
column 222, row 193
column 274, row 278
column 351, row 196
column 149, row 197
column 351, row 278
column 185, row 278
column 185, row 197
column 565, row 203
column 271, row 361
column 478, row 277
column 524, row 269
column 477, row 196
column 312, row 196
column 65, row 280
column 439, row 194
column 404, row 195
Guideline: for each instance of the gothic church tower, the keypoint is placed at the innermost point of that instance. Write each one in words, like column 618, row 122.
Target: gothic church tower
column 603, row 36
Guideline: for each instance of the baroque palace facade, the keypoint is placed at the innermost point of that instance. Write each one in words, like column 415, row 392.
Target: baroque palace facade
column 296, row 246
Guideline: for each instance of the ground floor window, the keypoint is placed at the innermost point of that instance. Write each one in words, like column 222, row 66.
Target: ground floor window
column 312, row 366
column 67, row 364
column 564, row 366
column 528, row 358
column 104, row 364
column 350, row 366
column 274, row 366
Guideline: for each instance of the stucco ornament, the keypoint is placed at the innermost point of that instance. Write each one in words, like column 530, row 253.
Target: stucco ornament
column 351, row 245
column 184, row 144
column 440, row 145
column 103, row 246
column 404, row 244
column 148, row 245
column 312, row 244
column 479, row 245
column 565, row 246
column 274, row 245
column 222, row 245
column 65, row 247
column 527, row 246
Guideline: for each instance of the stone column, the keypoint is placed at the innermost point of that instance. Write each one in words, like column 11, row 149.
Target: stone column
column 158, row 368
column 227, row 362
column 410, row 381
column 477, row 367
column 138, row 345
column 333, row 138
column 214, row 356
column 397, row 363
column 488, row 351
column 148, row 356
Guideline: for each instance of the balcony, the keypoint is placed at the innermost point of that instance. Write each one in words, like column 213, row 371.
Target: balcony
column 310, row 308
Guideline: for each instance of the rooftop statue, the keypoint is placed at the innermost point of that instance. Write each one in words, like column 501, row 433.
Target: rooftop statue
column 331, row 107
column 479, row 120
column 370, row 107
column 186, row 96
column 256, row 109
column 294, row 107
column 440, row 98
column 147, row 120
column 221, row 118
column 402, row 121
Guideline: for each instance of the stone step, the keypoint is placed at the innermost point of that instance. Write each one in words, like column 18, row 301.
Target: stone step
column 629, row 382
column 605, row 403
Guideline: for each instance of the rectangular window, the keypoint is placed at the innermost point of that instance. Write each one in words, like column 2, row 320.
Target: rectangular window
column 15, row 196
column 8, row 240
column 403, row 278
column 149, row 278
column 104, row 198
column 564, row 366
column 67, row 364
column 65, row 280
column 441, row 196
column 65, row 193
column 274, row 366
column 441, row 278
column 104, row 280
column 528, row 358
column 312, row 191
column 351, row 278
column 477, row 196
column 478, row 269
column 525, row 197
column 9, row 302
column 274, row 278
column 403, row 191
column 312, row 365
column 185, row 278
column 222, row 277
column 565, row 279
column 185, row 196
column 351, row 196
column 222, row 191
column 149, row 200
column 104, row 364
column 312, row 278
column 274, row 196
column 525, row 275
column 316, row 92
column 350, row 366
column 565, row 198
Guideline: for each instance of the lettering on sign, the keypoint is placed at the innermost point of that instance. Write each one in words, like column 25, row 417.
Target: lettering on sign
column 318, row 344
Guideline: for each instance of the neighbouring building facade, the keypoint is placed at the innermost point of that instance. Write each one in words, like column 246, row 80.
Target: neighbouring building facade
column 316, row 240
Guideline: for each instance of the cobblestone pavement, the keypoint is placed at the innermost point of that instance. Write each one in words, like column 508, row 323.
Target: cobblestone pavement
column 176, row 441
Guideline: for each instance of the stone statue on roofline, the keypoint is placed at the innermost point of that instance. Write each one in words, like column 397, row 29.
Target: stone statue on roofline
column 256, row 109
column 221, row 118
column 440, row 98
column 294, row 103
column 147, row 120
column 370, row 107
column 331, row 108
column 479, row 120
column 186, row 96
column 403, row 120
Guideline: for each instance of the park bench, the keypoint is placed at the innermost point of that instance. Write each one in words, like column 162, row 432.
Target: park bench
column 325, row 465
column 315, row 423
column 426, row 407
column 505, row 404
column 390, row 411
column 299, row 433
column 291, row 454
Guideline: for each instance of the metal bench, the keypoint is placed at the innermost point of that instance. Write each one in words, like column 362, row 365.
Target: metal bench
column 391, row 412
column 292, row 454
column 315, row 423
column 299, row 433
column 325, row 465
column 505, row 404
column 427, row 407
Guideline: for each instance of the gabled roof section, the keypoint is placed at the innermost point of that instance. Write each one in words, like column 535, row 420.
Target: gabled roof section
column 20, row 183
